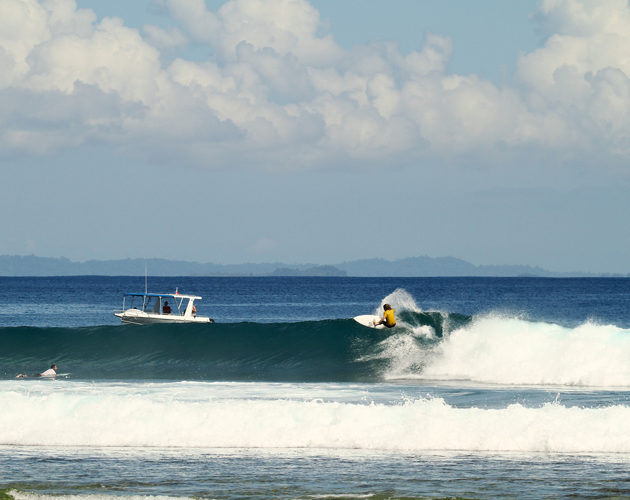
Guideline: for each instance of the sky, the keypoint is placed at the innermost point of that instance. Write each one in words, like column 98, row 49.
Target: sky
column 317, row 132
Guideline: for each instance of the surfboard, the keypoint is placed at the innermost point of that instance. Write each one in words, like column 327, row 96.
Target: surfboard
column 368, row 320
column 39, row 377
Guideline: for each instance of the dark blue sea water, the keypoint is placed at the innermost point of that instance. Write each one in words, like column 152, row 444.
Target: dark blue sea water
column 90, row 300
column 486, row 388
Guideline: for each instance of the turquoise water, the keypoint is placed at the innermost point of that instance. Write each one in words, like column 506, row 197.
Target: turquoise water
column 487, row 388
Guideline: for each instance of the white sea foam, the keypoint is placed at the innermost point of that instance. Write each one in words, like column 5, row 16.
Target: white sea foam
column 400, row 300
column 205, row 415
column 503, row 350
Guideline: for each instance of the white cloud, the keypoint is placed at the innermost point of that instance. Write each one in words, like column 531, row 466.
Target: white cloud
column 285, row 26
column 112, row 57
column 579, row 79
column 23, row 26
column 164, row 39
column 583, row 18
column 200, row 23
column 275, row 89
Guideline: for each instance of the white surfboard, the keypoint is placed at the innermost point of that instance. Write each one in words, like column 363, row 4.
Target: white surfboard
column 369, row 320
column 39, row 377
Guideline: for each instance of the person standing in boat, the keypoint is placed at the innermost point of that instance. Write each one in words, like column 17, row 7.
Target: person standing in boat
column 166, row 309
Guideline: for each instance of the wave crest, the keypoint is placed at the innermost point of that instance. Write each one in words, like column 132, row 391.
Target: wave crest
column 513, row 351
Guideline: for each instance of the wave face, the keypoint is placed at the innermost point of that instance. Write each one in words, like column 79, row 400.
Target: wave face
column 425, row 345
column 330, row 350
column 241, row 415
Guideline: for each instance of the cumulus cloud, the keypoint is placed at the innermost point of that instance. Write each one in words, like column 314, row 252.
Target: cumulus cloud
column 274, row 89
column 164, row 39
column 579, row 80
column 41, row 121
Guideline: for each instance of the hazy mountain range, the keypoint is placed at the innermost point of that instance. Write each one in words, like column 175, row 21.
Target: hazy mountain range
column 12, row 265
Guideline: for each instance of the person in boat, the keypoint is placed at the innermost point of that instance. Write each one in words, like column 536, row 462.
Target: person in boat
column 166, row 309
column 194, row 311
column 388, row 319
column 51, row 372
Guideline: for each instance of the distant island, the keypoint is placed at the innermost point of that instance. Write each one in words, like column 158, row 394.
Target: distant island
column 31, row 265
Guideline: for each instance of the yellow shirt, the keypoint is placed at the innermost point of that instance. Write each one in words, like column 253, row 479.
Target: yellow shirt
column 390, row 319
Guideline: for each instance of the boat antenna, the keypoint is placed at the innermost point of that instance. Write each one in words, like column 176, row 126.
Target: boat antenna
column 145, row 278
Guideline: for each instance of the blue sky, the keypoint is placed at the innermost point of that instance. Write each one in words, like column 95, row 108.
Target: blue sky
column 324, row 131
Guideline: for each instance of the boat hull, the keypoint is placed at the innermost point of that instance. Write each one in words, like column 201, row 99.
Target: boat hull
column 137, row 317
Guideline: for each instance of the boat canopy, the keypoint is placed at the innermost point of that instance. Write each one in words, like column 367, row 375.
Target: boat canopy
column 172, row 295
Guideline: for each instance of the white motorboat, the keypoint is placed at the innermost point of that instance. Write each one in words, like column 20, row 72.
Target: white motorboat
column 147, row 308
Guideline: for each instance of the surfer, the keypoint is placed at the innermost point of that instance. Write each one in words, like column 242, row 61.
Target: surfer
column 51, row 372
column 388, row 318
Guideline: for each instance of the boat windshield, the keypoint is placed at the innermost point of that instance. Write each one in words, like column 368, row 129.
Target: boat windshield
column 151, row 304
column 144, row 303
column 155, row 304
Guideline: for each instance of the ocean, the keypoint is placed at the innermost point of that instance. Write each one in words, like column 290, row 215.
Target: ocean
column 486, row 388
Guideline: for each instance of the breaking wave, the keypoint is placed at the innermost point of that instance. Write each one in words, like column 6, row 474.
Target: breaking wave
column 237, row 415
column 439, row 346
